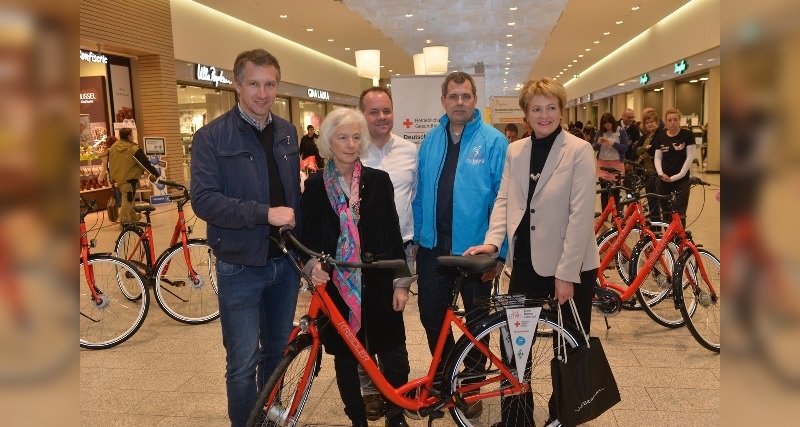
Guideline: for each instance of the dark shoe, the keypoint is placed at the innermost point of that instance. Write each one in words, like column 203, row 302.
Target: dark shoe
column 552, row 423
column 360, row 423
column 475, row 408
column 395, row 417
column 373, row 404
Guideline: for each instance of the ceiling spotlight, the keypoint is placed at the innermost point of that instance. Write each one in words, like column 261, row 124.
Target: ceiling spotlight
column 710, row 59
column 588, row 49
column 512, row 23
column 565, row 69
column 428, row 41
column 284, row 16
column 574, row 60
column 506, row 68
column 597, row 42
column 619, row 22
column 620, row 84
column 508, row 58
column 347, row 48
column 509, row 35
column 382, row 66
column 569, row 65
column 506, row 72
column 420, row 29
column 580, row 56
column 607, row 33
column 409, row 15
column 391, row 71
column 509, row 44
column 512, row 8
column 703, row 78
column 330, row 40
column 693, row 81
column 309, row 29
column 635, row 8
column 560, row 73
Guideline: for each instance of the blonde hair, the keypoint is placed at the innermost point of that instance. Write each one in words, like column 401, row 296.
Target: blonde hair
column 673, row 111
column 341, row 117
column 545, row 87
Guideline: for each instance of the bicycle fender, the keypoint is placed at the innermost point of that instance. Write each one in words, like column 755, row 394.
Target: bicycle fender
column 677, row 294
column 637, row 250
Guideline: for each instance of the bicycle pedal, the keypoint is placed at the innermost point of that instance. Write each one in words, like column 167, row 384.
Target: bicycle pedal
column 435, row 415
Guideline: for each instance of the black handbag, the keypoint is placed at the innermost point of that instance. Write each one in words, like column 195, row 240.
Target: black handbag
column 583, row 384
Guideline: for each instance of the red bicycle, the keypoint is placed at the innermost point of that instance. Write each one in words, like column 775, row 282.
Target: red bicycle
column 183, row 276
column 113, row 298
column 481, row 367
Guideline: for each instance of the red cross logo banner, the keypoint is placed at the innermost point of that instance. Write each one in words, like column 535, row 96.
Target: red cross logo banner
column 408, row 123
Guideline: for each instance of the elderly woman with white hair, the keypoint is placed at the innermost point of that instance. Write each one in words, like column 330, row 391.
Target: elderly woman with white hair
column 348, row 210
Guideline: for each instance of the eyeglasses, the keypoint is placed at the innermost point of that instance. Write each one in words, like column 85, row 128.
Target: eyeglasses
column 453, row 97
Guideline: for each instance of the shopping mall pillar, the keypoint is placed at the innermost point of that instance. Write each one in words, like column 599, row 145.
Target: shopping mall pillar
column 713, row 147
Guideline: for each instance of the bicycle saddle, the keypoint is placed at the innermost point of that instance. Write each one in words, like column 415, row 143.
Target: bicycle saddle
column 475, row 264
column 144, row 208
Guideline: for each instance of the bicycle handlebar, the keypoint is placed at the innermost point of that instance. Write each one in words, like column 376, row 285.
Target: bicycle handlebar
column 90, row 206
column 171, row 184
column 611, row 170
column 692, row 182
column 287, row 234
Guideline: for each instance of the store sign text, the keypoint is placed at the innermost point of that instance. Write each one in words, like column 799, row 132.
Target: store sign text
column 93, row 57
column 209, row 74
column 318, row 94
column 88, row 97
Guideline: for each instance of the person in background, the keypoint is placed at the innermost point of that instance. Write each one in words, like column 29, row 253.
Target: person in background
column 675, row 151
column 126, row 163
column 348, row 210
column 398, row 157
column 308, row 146
column 611, row 144
column 645, row 154
column 526, row 127
column 577, row 130
column 511, row 132
column 246, row 185
column 546, row 219
column 628, row 124
column 460, row 168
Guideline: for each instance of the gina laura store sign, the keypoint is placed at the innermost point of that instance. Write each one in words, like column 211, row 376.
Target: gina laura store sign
column 208, row 73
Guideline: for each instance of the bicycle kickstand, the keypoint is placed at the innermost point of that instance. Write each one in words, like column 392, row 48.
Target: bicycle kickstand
column 435, row 415
column 607, row 325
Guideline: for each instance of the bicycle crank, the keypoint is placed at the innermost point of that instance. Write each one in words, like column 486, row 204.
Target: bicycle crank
column 608, row 303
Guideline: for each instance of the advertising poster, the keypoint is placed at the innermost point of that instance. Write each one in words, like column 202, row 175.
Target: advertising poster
column 418, row 105
column 121, row 98
column 93, row 104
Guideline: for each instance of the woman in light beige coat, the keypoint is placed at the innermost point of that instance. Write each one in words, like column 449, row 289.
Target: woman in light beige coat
column 545, row 208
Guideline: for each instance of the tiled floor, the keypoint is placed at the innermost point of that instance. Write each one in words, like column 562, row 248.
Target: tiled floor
column 171, row 374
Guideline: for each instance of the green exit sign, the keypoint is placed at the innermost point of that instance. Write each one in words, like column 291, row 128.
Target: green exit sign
column 644, row 79
column 681, row 67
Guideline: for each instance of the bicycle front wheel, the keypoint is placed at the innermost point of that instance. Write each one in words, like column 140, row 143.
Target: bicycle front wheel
column 284, row 395
column 131, row 248
column 703, row 321
column 466, row 365
column 116, row 317
column 185, row 297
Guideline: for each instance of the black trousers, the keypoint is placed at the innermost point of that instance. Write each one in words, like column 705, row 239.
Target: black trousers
column 517, row 411
column 681, row 201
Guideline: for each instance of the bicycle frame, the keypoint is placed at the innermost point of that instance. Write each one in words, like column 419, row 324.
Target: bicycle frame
column 87, row 267
column 321, row 302
column 146, row 239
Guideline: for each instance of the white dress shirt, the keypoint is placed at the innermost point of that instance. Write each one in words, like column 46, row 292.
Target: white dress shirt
column 399, row 159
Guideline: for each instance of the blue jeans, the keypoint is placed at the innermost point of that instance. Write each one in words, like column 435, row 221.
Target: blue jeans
column 436, row 284
column 256, row 309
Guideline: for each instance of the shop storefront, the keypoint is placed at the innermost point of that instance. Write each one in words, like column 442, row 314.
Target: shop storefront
column 106, row 105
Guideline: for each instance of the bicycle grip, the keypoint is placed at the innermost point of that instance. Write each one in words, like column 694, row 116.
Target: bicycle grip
column 610, row 170
column 170, row 184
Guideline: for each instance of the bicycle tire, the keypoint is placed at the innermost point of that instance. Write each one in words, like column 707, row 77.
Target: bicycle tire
column 118, row 317
column 704, row 322
column 177, row 294
column 655, row 293
column 296, row 372
column 493, row 328
column 126, row 248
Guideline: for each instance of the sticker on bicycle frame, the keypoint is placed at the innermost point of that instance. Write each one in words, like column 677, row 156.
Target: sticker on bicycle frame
column 522, row 323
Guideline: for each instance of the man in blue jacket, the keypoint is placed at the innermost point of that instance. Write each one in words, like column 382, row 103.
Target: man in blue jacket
column 246, row 185
column 460, row 168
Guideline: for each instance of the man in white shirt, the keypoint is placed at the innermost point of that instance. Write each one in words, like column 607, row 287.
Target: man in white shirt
column 398, row 157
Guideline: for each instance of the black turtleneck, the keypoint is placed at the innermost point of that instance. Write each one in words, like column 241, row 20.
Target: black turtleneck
column 540, row 149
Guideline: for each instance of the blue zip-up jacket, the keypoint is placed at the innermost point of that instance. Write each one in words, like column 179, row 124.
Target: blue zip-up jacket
column 482, row 153
column 230, row 187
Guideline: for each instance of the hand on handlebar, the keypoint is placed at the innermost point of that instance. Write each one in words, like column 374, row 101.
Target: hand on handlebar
column 281, row 216
column 319, row 276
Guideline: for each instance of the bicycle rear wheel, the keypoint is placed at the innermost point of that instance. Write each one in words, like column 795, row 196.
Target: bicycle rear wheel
column 655, row 293
column 131, row 248
column 704, row 322
column 281, row 401
column 460, row 370
column 178, row 294
column 117, row 317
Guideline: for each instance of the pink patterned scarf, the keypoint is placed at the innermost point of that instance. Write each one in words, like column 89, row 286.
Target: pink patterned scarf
column 348, row 248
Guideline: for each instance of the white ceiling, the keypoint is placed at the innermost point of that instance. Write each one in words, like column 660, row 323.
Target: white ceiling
column 547, row 35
